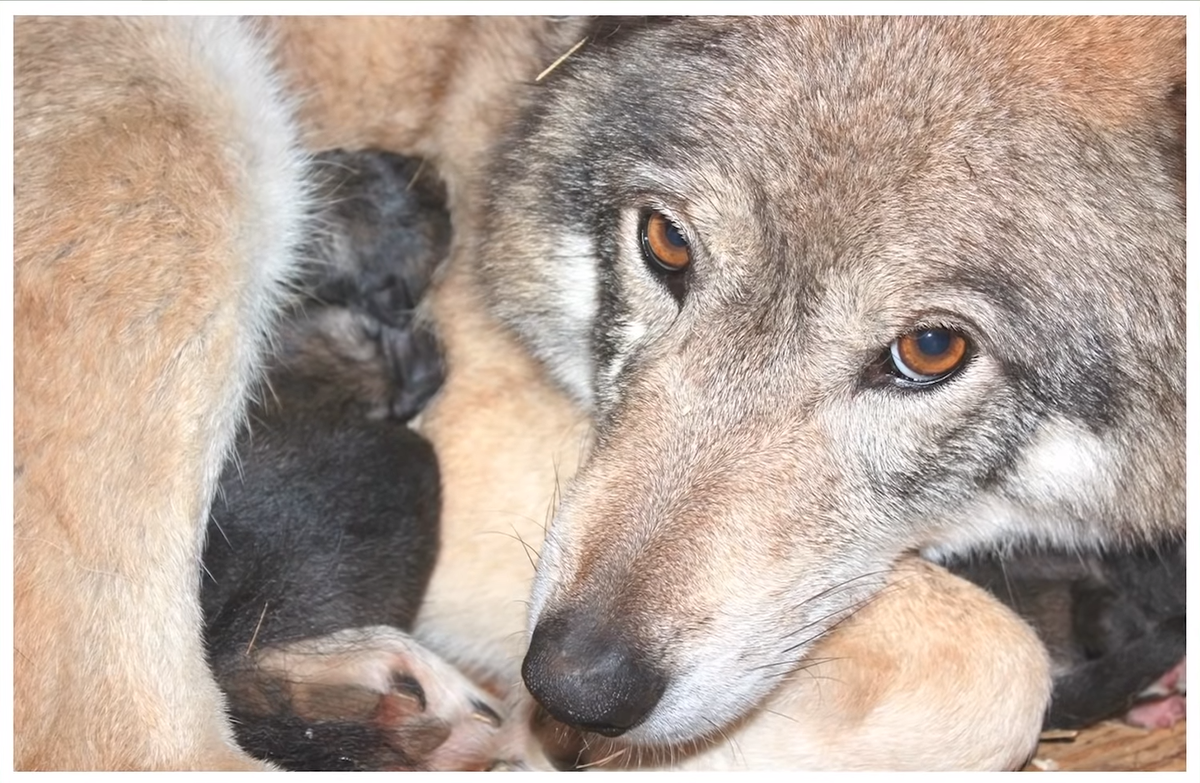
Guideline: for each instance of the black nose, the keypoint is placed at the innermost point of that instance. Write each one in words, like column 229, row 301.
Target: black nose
column 588, row 678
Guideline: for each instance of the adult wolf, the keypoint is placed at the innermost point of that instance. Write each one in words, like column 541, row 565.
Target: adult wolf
column 159, row 203
column 834, row 290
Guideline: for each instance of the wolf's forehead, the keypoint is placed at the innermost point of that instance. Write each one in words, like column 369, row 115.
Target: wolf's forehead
column 795, row 98
column 1111, row 69
column 954, row 144
column 842, row 161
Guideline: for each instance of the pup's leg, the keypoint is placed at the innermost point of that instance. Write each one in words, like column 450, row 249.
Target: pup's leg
column 324, row 527
column 1094, row 690
column 323, row 540
column 1164, row 702
column 362, row 698
column 159, row 196
column 1113, row 622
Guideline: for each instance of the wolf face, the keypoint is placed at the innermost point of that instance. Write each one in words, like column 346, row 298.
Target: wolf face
column 834, row 289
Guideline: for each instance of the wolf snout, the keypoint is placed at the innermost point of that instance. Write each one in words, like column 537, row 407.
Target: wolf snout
column 587, row 677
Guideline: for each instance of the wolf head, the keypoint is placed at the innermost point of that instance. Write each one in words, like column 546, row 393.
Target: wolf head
column 834, row 289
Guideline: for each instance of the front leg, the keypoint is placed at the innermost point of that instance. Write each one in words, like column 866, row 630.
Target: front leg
column 933, row 674
column 159, row 195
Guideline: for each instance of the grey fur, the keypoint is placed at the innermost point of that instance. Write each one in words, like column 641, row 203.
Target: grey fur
column 841, row 182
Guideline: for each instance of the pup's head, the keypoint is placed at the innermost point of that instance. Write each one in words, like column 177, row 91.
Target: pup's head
column 357, row 334
column 834, row 289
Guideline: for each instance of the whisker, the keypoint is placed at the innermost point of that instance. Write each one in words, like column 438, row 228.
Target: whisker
column 851, row 609
column 614, row 755
column 843, row 585
column 731, row 742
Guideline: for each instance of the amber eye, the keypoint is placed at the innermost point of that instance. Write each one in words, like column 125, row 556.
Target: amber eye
column 928, row 355
column 664, row 244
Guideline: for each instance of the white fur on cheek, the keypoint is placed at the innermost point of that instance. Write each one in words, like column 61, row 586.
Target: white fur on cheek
column 1063, row 469
column 573, row 287
column 1066, row 462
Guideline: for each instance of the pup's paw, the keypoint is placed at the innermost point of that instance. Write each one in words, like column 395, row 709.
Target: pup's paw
column 382, row 698
column 1160, row 713
column 1164, row 703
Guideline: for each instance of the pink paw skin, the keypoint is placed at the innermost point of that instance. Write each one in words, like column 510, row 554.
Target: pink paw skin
column 1161, row 713
column 1165, row 701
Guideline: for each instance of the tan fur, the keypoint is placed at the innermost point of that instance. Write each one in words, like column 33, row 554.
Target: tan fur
column 128, row 336
column 1112, row 68
column 498, row 506
column 127, row 330
column 126, row 333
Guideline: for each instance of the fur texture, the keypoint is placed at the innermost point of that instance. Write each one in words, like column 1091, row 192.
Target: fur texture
column 751, row 478
column 840, row 183
column 160, row 197
column 324, row 532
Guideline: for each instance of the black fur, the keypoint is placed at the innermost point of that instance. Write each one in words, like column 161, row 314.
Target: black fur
column 327, row 518
column 1113, row 623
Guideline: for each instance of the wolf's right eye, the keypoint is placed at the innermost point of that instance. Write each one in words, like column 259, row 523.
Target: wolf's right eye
column 666, row 251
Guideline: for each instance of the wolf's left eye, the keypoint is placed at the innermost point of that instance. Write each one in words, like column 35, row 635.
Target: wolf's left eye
column 666, row 252
column 927, row 356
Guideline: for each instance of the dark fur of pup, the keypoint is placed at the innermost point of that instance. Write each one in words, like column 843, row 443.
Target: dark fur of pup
column 1113, row 622
column 327, row 517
